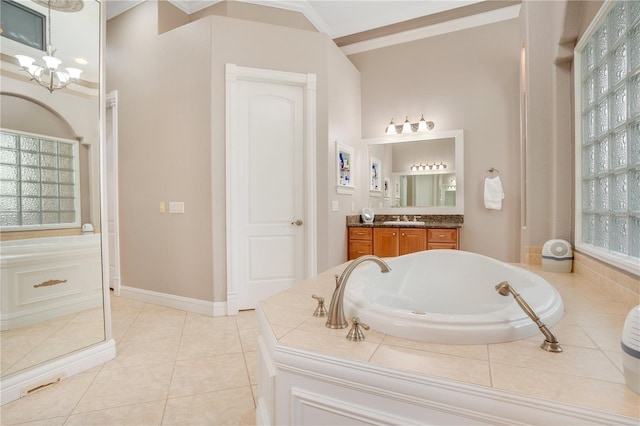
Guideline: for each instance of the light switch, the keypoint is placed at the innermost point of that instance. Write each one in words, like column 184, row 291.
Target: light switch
column 353, row 206
column 334, row 206
column 161, row 206
column 176, row 207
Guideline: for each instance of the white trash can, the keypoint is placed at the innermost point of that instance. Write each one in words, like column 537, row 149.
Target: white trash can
column 631, row 350
column 557, row 256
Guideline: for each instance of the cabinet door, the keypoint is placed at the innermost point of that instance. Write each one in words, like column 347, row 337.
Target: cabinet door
column 412, row 240
column 385, row 242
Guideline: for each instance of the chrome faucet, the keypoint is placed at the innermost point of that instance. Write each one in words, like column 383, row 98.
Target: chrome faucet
column 335, row 316
column 405, row 218
column 550, row 343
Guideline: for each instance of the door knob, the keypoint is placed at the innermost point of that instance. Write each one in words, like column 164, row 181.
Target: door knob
column 297, row 222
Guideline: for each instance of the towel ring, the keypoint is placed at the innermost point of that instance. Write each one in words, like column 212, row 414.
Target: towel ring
column 493, row 170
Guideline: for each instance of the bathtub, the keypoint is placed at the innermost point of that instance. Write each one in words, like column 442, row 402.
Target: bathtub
column 44, row 278
column 449, row 297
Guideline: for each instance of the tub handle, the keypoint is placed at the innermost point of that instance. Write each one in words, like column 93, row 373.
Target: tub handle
column 320, row 311
column 356, row 334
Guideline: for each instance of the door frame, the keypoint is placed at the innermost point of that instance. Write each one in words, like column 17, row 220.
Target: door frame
column 233, row 74
column 111, row 146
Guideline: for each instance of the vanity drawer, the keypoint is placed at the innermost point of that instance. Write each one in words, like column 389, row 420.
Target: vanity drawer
column 443, row 238
column 442, row 235
column 359, row 248
column 361, row 234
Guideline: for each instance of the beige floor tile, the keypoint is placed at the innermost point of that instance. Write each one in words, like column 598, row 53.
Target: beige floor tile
column 254, row 391
column 570, row 389
column 251, row 359
column 52, row 402
column 56, row 421
column 201, row 324
column 135, row 353
column 150, row 331
column 439, row 365
column 147, row 414
column 225, row 341
column 206, row 374
column 126, row 386
column 226, row 407
column 249, row 339
column 247, row 319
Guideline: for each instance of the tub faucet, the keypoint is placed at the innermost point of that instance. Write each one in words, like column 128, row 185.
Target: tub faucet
column 335, row 316
column 550, row 343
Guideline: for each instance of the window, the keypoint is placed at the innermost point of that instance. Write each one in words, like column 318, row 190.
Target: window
column 22, row 24
column 608, row 136
column 38, row 176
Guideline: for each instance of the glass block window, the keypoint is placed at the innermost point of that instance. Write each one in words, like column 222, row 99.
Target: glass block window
column 608, row 140
column 38, row 182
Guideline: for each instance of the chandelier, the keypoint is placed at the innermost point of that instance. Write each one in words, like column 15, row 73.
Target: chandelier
column 48, row 75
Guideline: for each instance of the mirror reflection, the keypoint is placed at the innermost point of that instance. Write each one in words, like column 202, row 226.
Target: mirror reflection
column 50, row 236
column 423, row 170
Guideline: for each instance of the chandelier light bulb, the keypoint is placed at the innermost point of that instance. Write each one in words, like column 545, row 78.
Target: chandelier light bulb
column 422, row 124
column 391, row 128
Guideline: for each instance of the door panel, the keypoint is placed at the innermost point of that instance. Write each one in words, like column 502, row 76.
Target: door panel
column 270, row 130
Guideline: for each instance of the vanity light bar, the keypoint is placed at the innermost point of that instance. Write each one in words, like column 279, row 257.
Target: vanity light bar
column 422, row 167
column 408, row 127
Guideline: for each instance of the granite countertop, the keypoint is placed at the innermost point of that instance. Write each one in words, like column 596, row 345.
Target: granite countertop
column 588, row 373
column 430, row 221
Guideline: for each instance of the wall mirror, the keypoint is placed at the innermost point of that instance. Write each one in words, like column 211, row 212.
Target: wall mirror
column 52, row 300
column 425, row 172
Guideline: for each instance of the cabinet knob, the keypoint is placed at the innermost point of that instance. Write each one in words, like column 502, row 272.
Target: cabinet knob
column 403, row 234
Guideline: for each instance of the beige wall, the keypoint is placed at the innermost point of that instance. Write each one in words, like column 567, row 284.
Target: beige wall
column 462, row 80
column 172, row 139
column 344, row 126
column 164, row 151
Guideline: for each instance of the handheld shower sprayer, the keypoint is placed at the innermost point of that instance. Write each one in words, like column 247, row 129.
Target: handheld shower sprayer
column 550, row 342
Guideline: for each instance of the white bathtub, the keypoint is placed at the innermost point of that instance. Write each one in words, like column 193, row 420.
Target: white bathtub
column 44, row 278
column 449, row 296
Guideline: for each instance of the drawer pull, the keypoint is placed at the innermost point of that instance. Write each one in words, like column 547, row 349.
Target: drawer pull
column 49, row 283
column 442, row 235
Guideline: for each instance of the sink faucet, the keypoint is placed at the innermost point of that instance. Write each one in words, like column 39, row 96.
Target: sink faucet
column 405, row 218
column 335, row 316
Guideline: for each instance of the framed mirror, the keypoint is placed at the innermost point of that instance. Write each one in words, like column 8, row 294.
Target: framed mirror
column 424, row 171
column 50, row 212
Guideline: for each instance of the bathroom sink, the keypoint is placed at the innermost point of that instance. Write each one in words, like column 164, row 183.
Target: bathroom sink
column 403, row 222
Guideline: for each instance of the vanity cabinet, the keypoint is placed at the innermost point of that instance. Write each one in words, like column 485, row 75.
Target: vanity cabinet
column 443, row 238
column 385, row 242
column 391, row 242
column 360, row 242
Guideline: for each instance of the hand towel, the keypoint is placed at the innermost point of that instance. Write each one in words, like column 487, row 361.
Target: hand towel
column 493, row 193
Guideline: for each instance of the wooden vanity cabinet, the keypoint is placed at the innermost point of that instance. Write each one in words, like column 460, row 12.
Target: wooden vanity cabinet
column 360, row 242
column 385, row 242
column 389, row 242
column 412, row 240
column 443, row 238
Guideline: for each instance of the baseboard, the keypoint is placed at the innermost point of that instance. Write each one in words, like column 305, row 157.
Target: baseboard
column 13, row 386
column 197, row 306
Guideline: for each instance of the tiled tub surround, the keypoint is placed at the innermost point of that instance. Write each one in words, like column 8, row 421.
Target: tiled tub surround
column 431, row 221
column 507, row 382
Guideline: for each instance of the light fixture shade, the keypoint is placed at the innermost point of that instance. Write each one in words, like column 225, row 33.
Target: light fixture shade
column 52, row 62
column 25, row 61
column 422, row 124
column 35, row 70
column 74, row 73
column 406, row 127
column 62, row 76
column 391, row 128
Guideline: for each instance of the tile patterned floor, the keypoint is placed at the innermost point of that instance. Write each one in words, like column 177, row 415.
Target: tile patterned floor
column 172, row 368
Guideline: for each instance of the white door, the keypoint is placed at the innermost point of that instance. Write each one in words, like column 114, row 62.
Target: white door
column 270, row 210
column 111, row 173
